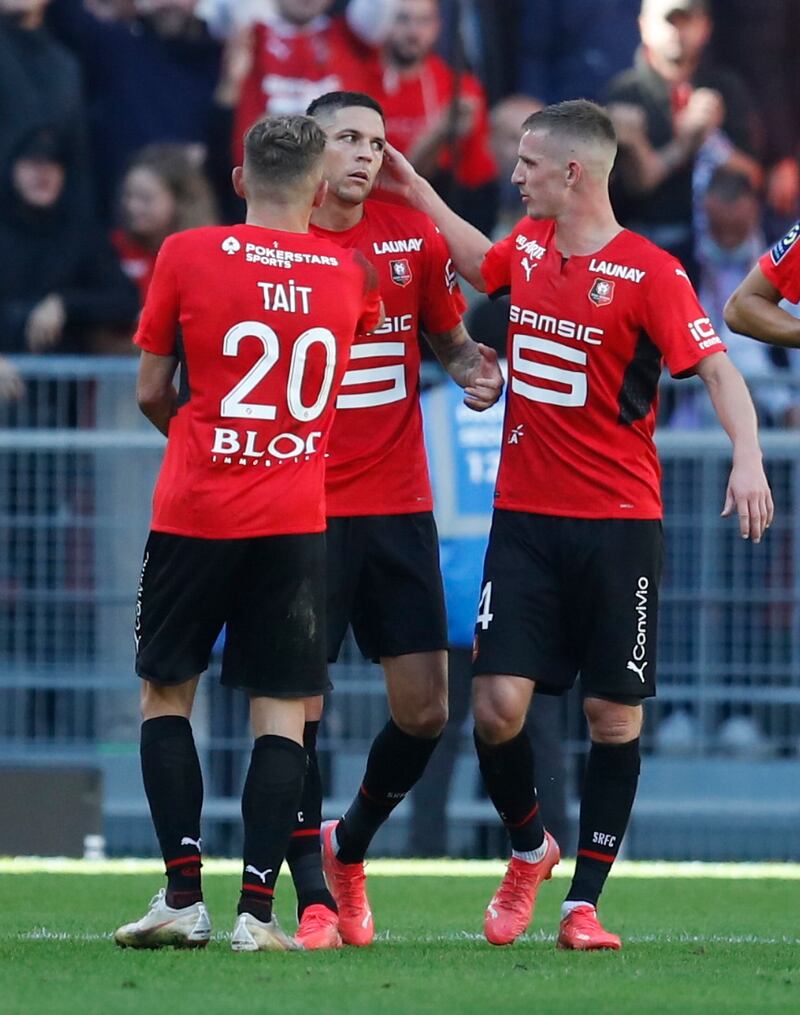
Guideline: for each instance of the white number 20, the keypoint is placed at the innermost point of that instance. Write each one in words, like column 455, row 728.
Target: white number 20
column 233, row 405
column 573, row 380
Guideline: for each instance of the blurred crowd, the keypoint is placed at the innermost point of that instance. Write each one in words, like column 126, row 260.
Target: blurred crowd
column 120, row 121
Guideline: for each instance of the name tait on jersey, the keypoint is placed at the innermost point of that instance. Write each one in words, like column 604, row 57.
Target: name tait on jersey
column 616, row 270
column 289, row 297
column 547, row 325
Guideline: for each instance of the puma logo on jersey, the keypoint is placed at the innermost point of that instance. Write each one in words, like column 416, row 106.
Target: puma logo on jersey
column 616, row 270
column 638, row 670
column 527, row 267
column 197, row 843
column 409, row 246
column 250, row 869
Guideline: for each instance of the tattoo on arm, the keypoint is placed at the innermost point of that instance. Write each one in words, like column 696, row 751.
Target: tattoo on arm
column 456, row 351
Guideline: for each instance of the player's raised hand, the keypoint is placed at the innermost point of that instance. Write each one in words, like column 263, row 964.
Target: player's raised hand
column 397, row 174
column 485, row 386
column 749, row 495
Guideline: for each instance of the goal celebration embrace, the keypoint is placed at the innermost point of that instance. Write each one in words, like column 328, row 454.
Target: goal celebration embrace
column 399, row 507
column 294, row 502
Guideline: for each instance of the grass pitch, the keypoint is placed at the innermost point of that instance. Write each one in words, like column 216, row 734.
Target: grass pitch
column 715, row 940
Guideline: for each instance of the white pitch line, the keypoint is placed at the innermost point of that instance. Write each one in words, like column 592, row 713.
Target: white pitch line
column 419, row 868
column 540, row 937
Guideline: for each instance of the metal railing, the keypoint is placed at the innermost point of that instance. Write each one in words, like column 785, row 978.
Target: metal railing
column 722, row 741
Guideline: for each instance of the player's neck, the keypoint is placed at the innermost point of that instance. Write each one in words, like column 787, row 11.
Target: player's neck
column 585, row 230
column 337, row 216
column 280, row 217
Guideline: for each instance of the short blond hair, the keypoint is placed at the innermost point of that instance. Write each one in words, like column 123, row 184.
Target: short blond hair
column 281, row 151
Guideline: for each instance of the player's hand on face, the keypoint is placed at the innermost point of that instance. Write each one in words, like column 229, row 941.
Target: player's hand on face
column 397, row 174
column 485, row 387
column 749, row 495
column 45, row 324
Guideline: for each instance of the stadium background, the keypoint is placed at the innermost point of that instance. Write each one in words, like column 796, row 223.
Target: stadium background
column 77, row 463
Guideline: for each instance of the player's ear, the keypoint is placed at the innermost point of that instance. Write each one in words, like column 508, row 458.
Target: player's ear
column 320, row 193
column 238, row 181
column 573, row 173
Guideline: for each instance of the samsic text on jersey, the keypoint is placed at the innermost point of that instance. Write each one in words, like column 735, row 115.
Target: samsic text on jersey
column 586, row 339
column 781, row 265
column 376, row 456
column 262, row 322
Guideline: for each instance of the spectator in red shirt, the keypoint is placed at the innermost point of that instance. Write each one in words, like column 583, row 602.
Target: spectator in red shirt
column 436, row 115
column 296, row 53
column 164, row 191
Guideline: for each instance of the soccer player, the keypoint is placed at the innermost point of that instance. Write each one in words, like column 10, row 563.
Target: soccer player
column 753, row 308
column 261, row 318
column 383, row 560
column 574, row 558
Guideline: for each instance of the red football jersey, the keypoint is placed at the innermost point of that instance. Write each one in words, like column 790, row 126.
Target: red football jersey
column 293, row 65
column 262, row 322
column 137, row 262
column 412, row 103
column 586, row 339
column 376, row 456
column 781, row 265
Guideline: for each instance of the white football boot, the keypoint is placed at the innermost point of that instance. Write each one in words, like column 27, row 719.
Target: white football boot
column 253, row 935
column 162, row 926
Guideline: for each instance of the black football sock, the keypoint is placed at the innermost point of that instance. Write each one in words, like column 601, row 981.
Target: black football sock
column 173, row 783
column 508, row 775
column 395, row 763
column 303, row 855
column 270, row 800
column 609, row 787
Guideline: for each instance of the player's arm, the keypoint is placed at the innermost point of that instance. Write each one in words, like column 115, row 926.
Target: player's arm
column 155, row 393
column 467, row 244
column 748, row 491
column 753, row 310
column 472, row 366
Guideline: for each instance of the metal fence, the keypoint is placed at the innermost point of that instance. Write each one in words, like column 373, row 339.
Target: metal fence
column 722, row 740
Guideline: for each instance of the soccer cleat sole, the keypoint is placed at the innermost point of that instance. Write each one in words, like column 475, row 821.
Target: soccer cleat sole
column 149, row 943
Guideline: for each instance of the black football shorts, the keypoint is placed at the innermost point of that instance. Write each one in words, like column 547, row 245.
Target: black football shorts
column 384, row 579
column 563, row 596
column 269, row 591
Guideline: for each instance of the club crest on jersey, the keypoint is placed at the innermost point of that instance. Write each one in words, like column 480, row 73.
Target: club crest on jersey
column 400, row 271
column 602, row 292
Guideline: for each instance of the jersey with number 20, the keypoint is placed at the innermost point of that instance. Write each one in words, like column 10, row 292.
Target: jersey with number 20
column 586, row 339
column 262, row 322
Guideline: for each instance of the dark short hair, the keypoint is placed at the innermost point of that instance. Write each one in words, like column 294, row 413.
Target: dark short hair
column 281, row 150
column 578, row 118
column 729, row 185
column 332, row 101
